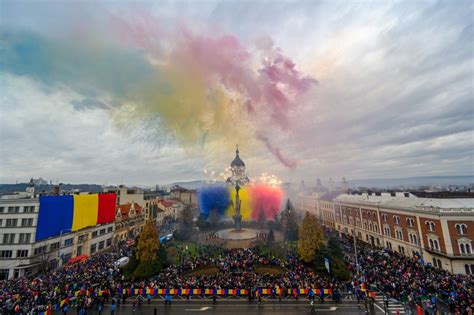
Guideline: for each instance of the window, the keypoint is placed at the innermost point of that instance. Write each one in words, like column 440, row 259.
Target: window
column 54, row 246
column 461, row 228
column 396, row 219
column 93, row 248
column 376, row 228
column 4, row 274
column 101, row 245
column 94, row 234
column 410, row 222
column 465, row 248
column 24, row 238
column 434, row 244
column 22, row 253
column 102, row 232
column 386, row 230
column 2, row 209
column 108, row 242
column 29, row 209
column 370, row 226
column 401, row 249
column 12, row 222
column 13, row 209
column 39, row 250
column 27, row 222
column 110, row 229
column 6, row 253
column 8, row 238
column 469, row 269
column 384, row 217
column 399, row 234
column 68, row 242
column 430, row 226
column 82, row 238
column 1, row 222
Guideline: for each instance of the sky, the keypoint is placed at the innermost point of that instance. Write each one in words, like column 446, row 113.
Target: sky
column 144, row 93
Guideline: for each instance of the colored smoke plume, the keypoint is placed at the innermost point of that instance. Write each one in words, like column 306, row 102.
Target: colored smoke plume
column 252, row 198
column 196, row 88
column 213, row 198
column 267, row 198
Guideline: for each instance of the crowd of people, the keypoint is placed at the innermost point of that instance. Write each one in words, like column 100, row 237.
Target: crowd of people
column 409, row 280
column 78, row 285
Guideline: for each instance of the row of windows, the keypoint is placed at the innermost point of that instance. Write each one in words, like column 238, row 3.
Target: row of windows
column 101, row 245
column 9, row 238
column 22, row 253
column 14, row 222
column 16, row 209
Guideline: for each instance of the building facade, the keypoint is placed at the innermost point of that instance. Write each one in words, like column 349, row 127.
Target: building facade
column 21, row 254
column 440, row 230
column 129, row 222
column 126, row 195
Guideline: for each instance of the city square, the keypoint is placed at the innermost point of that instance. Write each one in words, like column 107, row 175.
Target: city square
column 247, row 157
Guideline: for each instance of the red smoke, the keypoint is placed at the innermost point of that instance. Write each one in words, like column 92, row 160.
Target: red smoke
column 267, row 198
column 276, row 152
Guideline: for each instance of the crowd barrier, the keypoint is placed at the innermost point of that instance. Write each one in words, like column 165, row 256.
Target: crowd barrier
column 155, row 291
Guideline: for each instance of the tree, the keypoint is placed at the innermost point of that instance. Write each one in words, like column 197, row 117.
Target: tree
column 270, row 238
column 148, row 243
column 262, row 219
column 311, row 238
column 289, row 222
column 185, row 229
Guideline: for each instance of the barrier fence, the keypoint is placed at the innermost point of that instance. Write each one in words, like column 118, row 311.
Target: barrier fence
column 156, row 291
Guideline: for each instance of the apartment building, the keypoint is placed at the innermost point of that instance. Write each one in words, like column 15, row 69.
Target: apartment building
column 440, row 230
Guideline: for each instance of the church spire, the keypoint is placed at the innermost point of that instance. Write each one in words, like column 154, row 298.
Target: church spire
column 237, row 149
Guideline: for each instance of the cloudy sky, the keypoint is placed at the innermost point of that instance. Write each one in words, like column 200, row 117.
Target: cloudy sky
column 155, row 92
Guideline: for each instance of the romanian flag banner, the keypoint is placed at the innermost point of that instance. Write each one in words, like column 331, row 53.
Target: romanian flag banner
column 62, row 214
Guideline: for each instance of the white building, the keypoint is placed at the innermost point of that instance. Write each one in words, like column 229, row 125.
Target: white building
column 21, row 255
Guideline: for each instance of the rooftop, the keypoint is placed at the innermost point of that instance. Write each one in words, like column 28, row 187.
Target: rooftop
column 400, row 200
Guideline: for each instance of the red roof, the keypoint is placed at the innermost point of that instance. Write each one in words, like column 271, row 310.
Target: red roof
column 125, row 209
column 167, row 203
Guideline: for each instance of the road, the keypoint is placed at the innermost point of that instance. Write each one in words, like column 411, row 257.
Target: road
column 236, row 307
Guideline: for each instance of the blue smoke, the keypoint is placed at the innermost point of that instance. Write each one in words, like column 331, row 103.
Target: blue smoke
column 214, row 197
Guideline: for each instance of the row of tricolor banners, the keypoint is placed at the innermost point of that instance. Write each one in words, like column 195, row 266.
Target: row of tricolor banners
column 155, row 291
column 62, row 214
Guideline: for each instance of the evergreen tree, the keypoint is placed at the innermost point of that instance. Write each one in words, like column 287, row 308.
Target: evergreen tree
column 185, row 229
column 262, row 219
column 270, row 238
column 148, row 243
column 289, row 222
column 311, row 238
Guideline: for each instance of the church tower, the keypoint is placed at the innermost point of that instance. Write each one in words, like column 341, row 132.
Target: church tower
column 237, row 166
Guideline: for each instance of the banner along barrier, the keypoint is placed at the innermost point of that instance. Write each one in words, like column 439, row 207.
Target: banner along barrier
column 156, row 291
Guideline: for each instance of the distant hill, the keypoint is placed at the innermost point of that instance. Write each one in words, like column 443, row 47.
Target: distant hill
column 11, row 188
column 442, row 181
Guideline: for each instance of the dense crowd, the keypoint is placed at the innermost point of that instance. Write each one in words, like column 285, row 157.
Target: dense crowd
column 407, row 279
column 236, row 270
column 401, row 277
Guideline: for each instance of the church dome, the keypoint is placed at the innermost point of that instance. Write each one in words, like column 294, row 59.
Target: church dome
column 237, row 162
